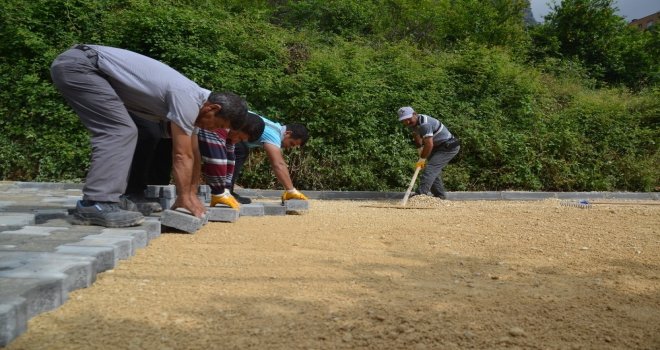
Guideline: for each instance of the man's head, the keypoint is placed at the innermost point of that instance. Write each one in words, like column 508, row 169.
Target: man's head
column 251, row 130
column 222, row 110
column 295, row 135
column 407, row 116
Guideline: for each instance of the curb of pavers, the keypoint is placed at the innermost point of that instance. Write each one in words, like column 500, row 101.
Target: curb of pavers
column 373, row 195
column 465, row 196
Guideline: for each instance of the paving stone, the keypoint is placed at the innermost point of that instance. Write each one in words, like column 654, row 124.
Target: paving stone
column 168, row 191
column 75, row 271
column 166, row 203
column 67, row 202
column 204, row 193
column 153, row 191
column 580, row 195
column 104, row 256
column 139, row 238
column 630, row 195
column 222, row 214
column 252, row 209
column 33, row 230
column 40, row 243
column 13, row 318
column 274, row 209
column 467, row 196
column 296, row 205
column 524, row 195
column 15, row 220
column 43, row 215
column 152, row 225
column 39, row 294
column 181, row 221
column 121, row 248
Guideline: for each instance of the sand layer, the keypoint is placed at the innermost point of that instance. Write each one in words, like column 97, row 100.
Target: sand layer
column 476, row 275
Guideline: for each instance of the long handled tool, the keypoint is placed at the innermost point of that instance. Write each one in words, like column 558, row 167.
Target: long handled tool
column 412, row 183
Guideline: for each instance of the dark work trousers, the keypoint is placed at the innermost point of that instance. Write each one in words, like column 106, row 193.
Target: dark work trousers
column 76, row 75
column 431, row 179
column 241, row 152
column 152, row 160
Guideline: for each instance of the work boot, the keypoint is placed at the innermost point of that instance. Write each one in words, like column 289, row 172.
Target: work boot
column 438, row 194
column 241, row 199
column 107, row 214
column 139, row 203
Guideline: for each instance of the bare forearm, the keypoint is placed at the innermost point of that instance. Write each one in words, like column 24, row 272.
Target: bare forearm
column 183, row 176
column 282, row 173
column 428, row 148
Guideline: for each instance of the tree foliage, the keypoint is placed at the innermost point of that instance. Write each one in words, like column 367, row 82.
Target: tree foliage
column 343, row 68
column 590, row 32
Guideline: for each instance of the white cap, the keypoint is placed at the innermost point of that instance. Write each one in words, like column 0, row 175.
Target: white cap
column 405, row 113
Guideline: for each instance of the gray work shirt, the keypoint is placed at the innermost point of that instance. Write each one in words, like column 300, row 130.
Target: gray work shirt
column 431, row 127
column 151, row 89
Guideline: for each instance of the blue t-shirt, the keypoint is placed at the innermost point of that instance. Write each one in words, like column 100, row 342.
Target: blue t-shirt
column 273, row 134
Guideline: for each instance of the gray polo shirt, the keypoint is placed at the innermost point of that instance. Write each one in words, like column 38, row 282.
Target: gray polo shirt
column 151, row 89
column 431, row 127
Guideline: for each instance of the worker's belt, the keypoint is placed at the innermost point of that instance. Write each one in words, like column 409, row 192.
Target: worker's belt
column 89, row 52
column 447, row 145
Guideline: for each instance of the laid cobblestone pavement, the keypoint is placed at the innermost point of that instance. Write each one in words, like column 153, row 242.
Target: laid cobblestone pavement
column 43, row 257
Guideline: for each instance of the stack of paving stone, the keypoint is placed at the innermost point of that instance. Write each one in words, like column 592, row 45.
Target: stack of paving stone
column 43, row 257
column 185, row 222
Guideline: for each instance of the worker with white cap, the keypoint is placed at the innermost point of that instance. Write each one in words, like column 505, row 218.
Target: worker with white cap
column 438, row 148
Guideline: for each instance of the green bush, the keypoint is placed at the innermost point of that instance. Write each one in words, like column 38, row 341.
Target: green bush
column 343, row 68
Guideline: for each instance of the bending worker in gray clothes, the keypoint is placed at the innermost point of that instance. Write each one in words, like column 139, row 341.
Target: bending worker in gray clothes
column 439, row 147
column 103, row 85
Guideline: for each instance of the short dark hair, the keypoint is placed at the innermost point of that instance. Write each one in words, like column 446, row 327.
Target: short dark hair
column 234, row 107
column 298, row 132
column 254, row 126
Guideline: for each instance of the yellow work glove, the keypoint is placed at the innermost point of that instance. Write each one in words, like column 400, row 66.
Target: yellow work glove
column 421, row 163
column 225, row 198
column 293, row 194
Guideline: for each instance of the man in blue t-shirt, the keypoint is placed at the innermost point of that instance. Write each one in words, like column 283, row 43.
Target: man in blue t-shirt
column 274, row 138
column 438, row 145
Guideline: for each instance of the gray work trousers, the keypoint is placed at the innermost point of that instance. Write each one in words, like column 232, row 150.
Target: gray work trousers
column 431, row 179
column 113, row 133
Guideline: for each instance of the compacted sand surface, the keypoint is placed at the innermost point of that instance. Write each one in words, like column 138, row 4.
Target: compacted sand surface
column 458, row 275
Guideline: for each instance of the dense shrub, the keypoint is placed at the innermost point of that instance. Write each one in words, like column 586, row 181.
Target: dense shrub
column 343, row 68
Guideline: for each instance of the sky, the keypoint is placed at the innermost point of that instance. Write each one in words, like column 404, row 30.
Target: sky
column 628, row 9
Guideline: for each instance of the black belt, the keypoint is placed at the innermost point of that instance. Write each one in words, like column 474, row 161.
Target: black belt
column 89, row 52
column 82, row 47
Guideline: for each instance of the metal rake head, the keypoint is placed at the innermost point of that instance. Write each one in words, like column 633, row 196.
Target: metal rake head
column 582, row 204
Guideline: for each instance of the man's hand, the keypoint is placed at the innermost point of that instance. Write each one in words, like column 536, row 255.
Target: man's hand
column 293, row 194
column 191, row 203
column 421, row 163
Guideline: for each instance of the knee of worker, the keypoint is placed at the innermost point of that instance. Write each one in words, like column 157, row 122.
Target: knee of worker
column 115, row 136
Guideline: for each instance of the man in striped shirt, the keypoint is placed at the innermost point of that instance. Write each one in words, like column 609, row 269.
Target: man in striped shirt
column 273, row 139
column 438, row 147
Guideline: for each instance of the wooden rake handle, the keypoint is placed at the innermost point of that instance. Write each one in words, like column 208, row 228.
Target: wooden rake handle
column 412, row 183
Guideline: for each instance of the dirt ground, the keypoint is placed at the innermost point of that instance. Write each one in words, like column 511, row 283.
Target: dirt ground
column 460, row 275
